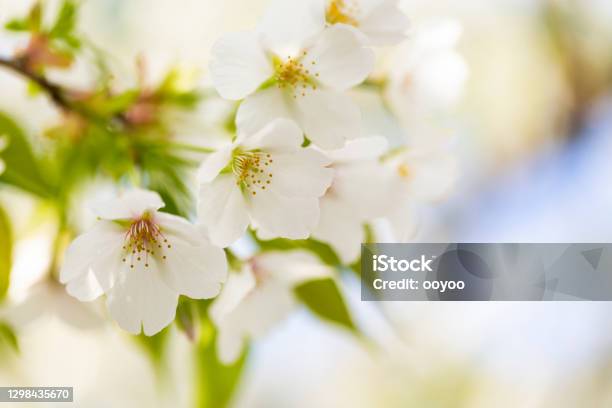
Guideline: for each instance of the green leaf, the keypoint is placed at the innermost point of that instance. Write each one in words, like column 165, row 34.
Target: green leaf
column 108, row 106
column 35, row 17
column 8, row 337
column 22, row 167
column 322, row 250
column 66, row 21
column 17, row 25
column 63, row 31
column 216, row 382
column 324, row 299
column 6, row 250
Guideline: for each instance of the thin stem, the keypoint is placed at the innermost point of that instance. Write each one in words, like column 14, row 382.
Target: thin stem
column 57, row 94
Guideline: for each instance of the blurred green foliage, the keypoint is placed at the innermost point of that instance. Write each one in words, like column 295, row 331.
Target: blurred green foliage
column 322, row 250
column 215, row 381
column 23, row 170
column 8, row 337
column 6, row 249
column 324, row 299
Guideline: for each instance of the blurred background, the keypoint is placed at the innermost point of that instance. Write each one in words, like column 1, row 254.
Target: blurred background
column 531, row 123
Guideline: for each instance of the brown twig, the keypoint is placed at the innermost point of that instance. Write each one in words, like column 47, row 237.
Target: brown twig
column 58, row 95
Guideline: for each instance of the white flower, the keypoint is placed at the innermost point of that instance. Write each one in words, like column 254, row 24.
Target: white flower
column 259, row 296
column 359, row 192
column 268, row 180
column 142, row 260
column 420, row 175
column 3, row 145
column 46, row 300
column 380, row 20
column 427, row 73
column 294, row 68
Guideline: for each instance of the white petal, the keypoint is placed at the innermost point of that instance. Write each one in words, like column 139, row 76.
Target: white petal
column 385, row 24
column 229, row 345
column 340, row 227
column 439, row 80
column 222, row 210
column 340, row 58
column 197, row 272
column 404, row 222
column 2, row 166
column 281, row 135
column 213, row 164
column 301, row 174
column 438, row 34
column 237, row 287
column 263, row 309
column 329, row 118
column 239, row 65
column 99, row 251
column 366, row 186
column 179, row 229
column 261, row 108
column 288, row 24
column 193, row 267
column 244, row 310
column 140, row 298
column 291, row 218
column 291, row 267
column 85, row 288
column 130, row 204
column 363, row 148
column 431, row 174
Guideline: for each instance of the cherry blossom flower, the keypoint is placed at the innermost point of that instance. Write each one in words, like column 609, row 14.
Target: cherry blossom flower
column 267, row 180
column 420, row 175
column 427, row 74
column 142, row 259
column 293, row 67
column 259, row 296
column 381, row 21
column 358, row 194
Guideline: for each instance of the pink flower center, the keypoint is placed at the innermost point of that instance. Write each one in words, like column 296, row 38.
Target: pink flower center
column 143, row 239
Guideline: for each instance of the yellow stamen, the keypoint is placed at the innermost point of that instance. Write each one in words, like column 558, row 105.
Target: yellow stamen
column 342, row 12
column 292, row 74
column 252, row 170
column 142, row 236
column 404, row 171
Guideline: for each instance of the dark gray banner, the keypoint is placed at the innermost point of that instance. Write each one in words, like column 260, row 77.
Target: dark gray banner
column 483, row 272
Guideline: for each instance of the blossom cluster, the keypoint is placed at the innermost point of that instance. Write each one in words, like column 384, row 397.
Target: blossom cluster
column 300, row 166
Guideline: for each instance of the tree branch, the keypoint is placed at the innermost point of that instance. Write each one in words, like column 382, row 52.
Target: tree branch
column 57, row 94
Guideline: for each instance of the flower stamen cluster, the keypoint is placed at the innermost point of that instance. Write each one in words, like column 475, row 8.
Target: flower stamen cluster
column 293, row 74
column 142, row 239
column 342, row 12
column 252, row 170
